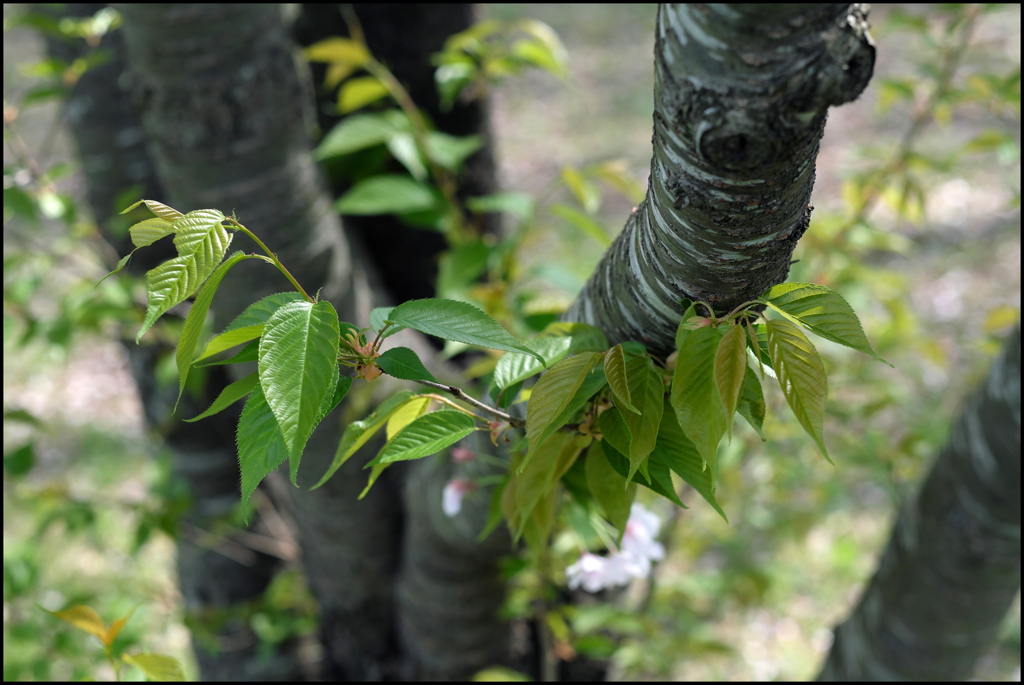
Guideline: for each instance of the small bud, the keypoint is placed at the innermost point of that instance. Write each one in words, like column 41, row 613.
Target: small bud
column 460, row 455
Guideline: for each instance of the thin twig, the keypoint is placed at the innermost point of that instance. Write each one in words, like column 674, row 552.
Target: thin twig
column 458, row 394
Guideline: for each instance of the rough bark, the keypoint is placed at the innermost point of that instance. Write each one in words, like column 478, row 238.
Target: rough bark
column 952, row 566
column 740, row 100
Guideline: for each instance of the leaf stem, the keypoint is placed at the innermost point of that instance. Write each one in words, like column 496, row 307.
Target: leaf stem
column 458, row 394
column 274, row 259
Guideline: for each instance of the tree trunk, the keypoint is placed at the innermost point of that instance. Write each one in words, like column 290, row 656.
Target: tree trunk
column 228, row 121
column 741, row 94
column 952, row 566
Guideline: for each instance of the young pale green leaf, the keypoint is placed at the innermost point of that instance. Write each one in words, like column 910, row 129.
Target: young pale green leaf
column 552, row 395
column 249, row 353
column 358, row 92
column 557, row 342
column 158, row 208
column 677, row 452
column 261, row 447
column 201, row 231
column 121, row 263
column 615, row 372
column 695, row 396
column 172, row 283
column 201, row 241
column 533, row 480
column 752, row 406
column 298, row 368
column 159, row 668
column 149, row 231
column 401, row 362
column 406, row 414
column 229, row 339
column 730, row 370
column 386, row 194
column 612, row 491
column 361, row 131
column 196, row 317
column 648, row 394
column 586, row 224
column 456, row 321
column 336, row 50
column 229, row 395
column 821, row 311
column 519, row 205
column 682, row 330
column 429, row 434
column 358, row 433
column 801, row 376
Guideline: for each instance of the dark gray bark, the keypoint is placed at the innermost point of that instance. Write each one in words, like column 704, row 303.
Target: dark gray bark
column 952, row 566
column 741, row 94
column 228, row 122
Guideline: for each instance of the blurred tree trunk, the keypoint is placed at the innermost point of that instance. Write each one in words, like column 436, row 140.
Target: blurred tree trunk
column 952, row 566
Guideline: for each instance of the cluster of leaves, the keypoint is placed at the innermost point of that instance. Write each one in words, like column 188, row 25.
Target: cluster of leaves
column 158, row 667
column 649, row 417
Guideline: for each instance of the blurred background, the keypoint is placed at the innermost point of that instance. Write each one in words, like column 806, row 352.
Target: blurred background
column 916, row 223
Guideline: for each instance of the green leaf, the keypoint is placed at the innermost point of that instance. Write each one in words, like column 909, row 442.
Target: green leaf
column 402, row 147
column 449, row 152
column 359, row 132
column 337, row 50
column 551, row 396
column 585, row 192
column 120, row 265
column 386, row 194
column 695, row 396
column 261, row 447
column 196, row 317
column 429, row 434
column 615, row 371
column 229, row 339
column 821, row 311
column 752, row 406
column 201, row 241
column 558, row 341
column 358, row 92
column 229, row 395
column 682, row 330
column 160, row 668
column 730, row 370
column 358, row 433
column 249, row 353
column 586, row 224
column 648, row 394
column 801, row 376
column 456, row 321
column 612, row 491
column 519, row 205
column 298, row 369
column 401, row 362
column 260, row 311
column 149, row 231
column 379, row 319
column 658, row 478
column 677, row 452
column 532, row 481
